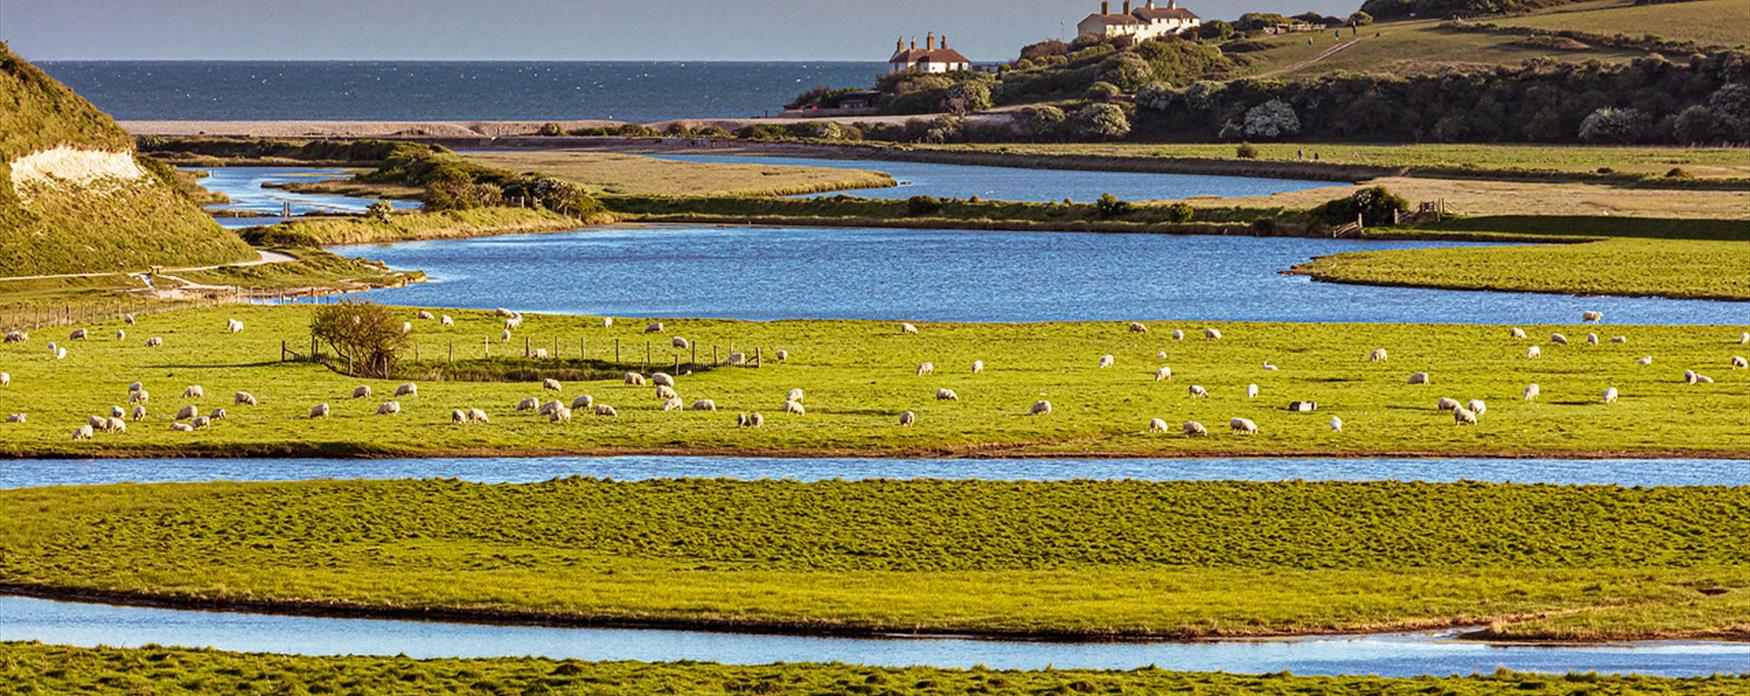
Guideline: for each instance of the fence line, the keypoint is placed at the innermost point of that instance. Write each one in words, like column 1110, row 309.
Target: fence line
column 679, row 361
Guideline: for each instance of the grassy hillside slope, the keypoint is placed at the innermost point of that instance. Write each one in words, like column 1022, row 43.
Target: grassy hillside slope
column 115, row 225
column 1713, row 22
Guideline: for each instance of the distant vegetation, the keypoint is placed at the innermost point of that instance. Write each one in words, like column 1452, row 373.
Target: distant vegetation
column 1403, row 9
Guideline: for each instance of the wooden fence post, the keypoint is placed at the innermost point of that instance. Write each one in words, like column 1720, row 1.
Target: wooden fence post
column 616, row 351
column 452, row 358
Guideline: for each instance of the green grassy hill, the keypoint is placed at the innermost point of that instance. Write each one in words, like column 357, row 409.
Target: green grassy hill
column 52, row 225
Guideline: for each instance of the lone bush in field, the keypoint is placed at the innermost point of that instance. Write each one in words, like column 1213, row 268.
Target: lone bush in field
column 1246, row 151
column 1375, row 205
column 1109, row 206
column 367, row 335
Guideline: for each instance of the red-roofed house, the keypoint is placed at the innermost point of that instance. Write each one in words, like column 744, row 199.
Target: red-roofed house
column 929, row 60
column 1141, row 24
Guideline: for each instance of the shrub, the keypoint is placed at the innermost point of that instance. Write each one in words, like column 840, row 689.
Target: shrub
column 1108, row 206
column 1048, row 47
column 379, row 210
column 1156, row 96
column 1101, row 122
column 946, row 129
column 1375, row 205
column 1215, row 30
column 1180, row 212
column 1697, row 124
column 1621, row 126
column 367, row 335
column 1360, row 19
column 1246, row 151
column 1041, row 122
column 551, row 129
column 967, row 96
column 1272, row 120
column 921, row 206
column 1103, row 91
column 1127, row 71
column 1679, row 173
column 825, row 130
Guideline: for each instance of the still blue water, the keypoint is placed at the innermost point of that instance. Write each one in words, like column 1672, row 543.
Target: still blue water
column 1032, row 185
column 767, row 273
column 433, row 91
column 30, row 473
column 248, row 189
column 1392, row 655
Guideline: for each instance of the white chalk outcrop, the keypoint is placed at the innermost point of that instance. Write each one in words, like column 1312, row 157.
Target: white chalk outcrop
column 62, row 166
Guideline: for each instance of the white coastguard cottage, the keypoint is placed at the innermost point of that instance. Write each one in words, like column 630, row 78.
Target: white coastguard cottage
column 1141, row 24
column 929, row 60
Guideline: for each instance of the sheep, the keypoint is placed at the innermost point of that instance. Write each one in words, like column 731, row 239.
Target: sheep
column 1591, row 317
column 78, row 335
column 1739, row 363
column 140, row 397
column 551, row 384
column 446, row 320
column 186, row 413
column 1336, row 424
column 1591, row 339
column 673, row 403
column 634, row 379
column 1198, row 392
column 1251, row 391
column 582, row 402
column 704, row 405
column 907, row 329
column 1478, row 407
column 1703, row 379
column 782, row 356
column 116, row 412
column 134, row 387
column 1212, row 334
column 795, row 395
column 680, row 343
column 458, row 417
column 233, row 326
column 1558, row 339
column 540, row 354
column 1516, row 333
column 1378, row 355
column 1645, row 360
column 194, row 391
column 750, row 420
column 1464, row 416
column 17, row 418
column 504, row 336
column 318, row 411
column 665, row 392
column 200, row 423
column 978, row 367
column 5, row 379
column 1242, row 426
column 389, row 408
column 425, row 316
column 1690, row 377
column 121, row 335
column 662, row 379
column 737, row 358
column 795, row 409
column 946, row 395
column 528, row 404
column 1446, row 404
column 1178, row 335
column 653, row 327
column 1107, row 361
column 1611, row 395
column 1619, row 339
column 1156, row 425
column 559, row 415
column 606, row 411
column 244, row 399
column 1138, row 327
column 477, row 416
column 926, row 368
column 1270, row 367
column 1533, row 353
column 504, row 312
column 1194, row 429
column 217, row 414
column 1743, row 339
column 1162, row 355
column 1421, row 378
column 1164, row 374
column 607, row 322
column 83, row 432
column 908, row 419
column 181, row 428
column 17, row 337
column 154, row 342
column 60, row 353
column 361, row 392
column 548, row 408
column 409, row 389
column 1040, row 408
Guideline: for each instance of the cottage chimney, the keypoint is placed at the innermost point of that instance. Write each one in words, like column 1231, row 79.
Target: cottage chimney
column 1105, row 7
column 899, row 46
column 1150, row 5
column 1172, row 4
column 914, row 43
column 930, row 42
column 1126, row 6
column 944, row 42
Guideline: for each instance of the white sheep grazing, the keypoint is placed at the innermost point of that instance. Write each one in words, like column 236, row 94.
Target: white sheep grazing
column 446, row 320
column 665, row 392
column 1447, row 404
column 1611, row 395
column 115, row 425
column 128, row 319
column 1478, row 407
column 737, row 358
column 1744, row 339
column 704, row 405
column 551, row 384
column 1156, row 425
column 946, row 395
column 83, row 432
column 783, row 356
column 234, row 326
column 17, row 418
column 1690, row 377
column 186, row 413
column 1212, row 334
column 926, row 368
column 457, row 417
column 528, row 404
column 361, row 392
column 1270, row 367
column 244, row 399
column 217, row 414
column 1464, row 416
column 5, row 379
column 391, row 408
column 662, row 379
column 504, row 312
column 1703, row 379
column 1107, row 361
column 680, row 343
column 1558, row 339
column 1161, row 355
column 606, row 411
column 1533, row 353
column 116, row 412
column 409, row 389
column 607, row 322
column 582, row 402
column 673, row 403
column 194, row 391
column 795, row 395
column 1165, row 374
column 425, row 316
column 200, row 422
column 906, row 328
column 1178, row 335
column 78, row 335
column 794, row 408
column 559, row 415
column 1336, row 424
column 1243, row 426
column 60, row 353
column 514, row 322
column 478, row 416
column 1739, row 363
column 504, row 336
column 750, row 420
column 1645, row 360
column 319, row 411
column 1591, row 339
column 181, row 428
column 908, row 419
column 1198, row 392
column 634, row 379
column 978, row 367
column 1138, row 327
column 1251, row 391
column 1516, row 333
column 653, row 327
column 121, row 335
column 1040, row 408
column 97, row 422
column 1619, row 339
column 1421, row 378
column 540, row 354
column 1378, row 355
column 154, row 342
column 17, row 337
column 548, row 408
column 1194, row 429
column 140, row 397
column 1591, row 317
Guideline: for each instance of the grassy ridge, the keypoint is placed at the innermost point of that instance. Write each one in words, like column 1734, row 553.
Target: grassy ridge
column 617, row 174
column 1717, row 22
column 35, row 668
column 1058, row 558
column 449, row 224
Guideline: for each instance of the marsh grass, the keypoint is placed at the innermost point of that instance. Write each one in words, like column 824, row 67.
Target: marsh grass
column 621, row 174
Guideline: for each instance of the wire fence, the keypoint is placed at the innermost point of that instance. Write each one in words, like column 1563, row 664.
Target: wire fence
column 452, row 359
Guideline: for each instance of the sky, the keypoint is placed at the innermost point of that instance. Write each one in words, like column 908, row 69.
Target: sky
column 786, row 30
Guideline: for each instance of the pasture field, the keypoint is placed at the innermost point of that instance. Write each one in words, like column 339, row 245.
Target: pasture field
column 34, row 668
column 1483, row 198
column 1707, row 22
column 621, row 174
column 859, row 376
column 1057, row 559
column 1407, row 47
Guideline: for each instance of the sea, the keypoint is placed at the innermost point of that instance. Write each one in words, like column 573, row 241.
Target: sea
column 639, row 92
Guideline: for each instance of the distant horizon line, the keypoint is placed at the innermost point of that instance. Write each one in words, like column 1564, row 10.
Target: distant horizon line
column 455, row 61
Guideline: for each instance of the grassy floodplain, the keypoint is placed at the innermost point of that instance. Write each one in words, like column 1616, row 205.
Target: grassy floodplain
column 859, row 376
column 401, row 227
column 34, row 668
column 1055, row 559
column 620, row 174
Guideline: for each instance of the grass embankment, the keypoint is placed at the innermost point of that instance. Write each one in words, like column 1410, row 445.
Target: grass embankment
column 1058, row 559
column 401, row 227
column 859, row 376
column 618, row 174
column 313, row 269
column 1489, row 198
column 36, row 668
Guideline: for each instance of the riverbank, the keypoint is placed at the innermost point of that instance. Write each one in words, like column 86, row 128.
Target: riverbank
column 417, row 226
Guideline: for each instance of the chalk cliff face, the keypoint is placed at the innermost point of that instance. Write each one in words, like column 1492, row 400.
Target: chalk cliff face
column 75, row 199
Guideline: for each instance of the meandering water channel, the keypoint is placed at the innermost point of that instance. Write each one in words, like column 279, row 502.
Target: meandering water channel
column 253, row 191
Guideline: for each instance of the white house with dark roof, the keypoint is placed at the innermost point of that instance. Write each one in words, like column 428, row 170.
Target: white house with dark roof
column 930, row 60
column 1141, row 24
